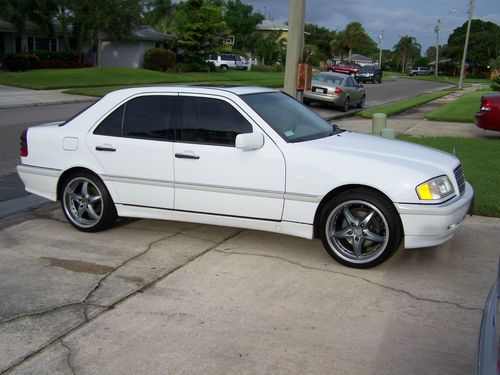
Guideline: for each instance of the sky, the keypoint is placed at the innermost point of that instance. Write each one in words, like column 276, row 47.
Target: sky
column 396, row 18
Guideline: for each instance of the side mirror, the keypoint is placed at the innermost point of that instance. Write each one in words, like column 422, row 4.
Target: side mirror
column 249, row 141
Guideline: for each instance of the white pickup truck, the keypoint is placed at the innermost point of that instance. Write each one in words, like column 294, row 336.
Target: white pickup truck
column 420, row 71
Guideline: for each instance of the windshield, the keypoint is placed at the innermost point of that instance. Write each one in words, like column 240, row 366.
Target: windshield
column 293, row 121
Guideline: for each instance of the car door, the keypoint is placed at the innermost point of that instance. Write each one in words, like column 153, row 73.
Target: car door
column 212, row 175
column 134, row 145
column 354, row 90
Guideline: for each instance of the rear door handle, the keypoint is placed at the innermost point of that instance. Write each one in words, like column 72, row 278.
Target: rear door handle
column 105, row 148
column 187, row 156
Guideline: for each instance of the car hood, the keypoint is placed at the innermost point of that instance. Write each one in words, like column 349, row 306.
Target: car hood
column 383, row 149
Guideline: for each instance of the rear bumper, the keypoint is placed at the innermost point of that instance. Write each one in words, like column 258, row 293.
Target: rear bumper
column 40, row 181
column 487, row 120
column 431, row 225
column 328, row 98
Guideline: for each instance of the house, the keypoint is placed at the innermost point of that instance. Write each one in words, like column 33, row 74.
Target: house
column 266, row 27
column 129, row 52
column 125, row 52
column 33, row 40
column 355, row 58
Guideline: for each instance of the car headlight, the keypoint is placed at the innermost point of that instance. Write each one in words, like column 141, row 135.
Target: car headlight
column 436, row 188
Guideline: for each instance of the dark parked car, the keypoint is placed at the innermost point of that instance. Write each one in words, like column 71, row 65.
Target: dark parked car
column 488, row 117
column 369, row 73
column 488, row 355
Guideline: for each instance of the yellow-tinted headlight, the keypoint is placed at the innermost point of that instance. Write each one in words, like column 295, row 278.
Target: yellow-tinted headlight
column 435, row 189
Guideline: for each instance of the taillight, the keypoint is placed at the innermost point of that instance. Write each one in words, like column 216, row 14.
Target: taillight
column 24, row 143
column 486, row 105
column 338, row 90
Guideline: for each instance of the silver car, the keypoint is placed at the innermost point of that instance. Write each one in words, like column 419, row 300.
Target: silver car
column 338, row 89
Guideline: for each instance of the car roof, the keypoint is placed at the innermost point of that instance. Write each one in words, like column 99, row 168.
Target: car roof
column 343, row 75
column 237, row 90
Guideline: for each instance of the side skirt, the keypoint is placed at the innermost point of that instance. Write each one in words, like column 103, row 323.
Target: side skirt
column 284, row 227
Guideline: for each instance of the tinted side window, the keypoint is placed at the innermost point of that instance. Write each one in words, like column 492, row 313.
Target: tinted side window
column 112, row 125
column 211, row 121
column 149, row 117
column 227, row 57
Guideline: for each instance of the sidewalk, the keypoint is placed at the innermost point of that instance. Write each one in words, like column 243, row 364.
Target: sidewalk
column 413, row 122
column 17, row 97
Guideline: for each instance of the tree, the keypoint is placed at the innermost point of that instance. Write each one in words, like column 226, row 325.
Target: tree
column 271, row 49
column 484, row 44
column 406, row 50
column 154, row 11
column 200, row 30
column 242, row 23
column 320, row 37
column 18, row 12
column 90, row 19
column 431, row 52
column 355, row 38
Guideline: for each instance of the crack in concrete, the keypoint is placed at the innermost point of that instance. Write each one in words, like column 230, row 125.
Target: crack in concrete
column 68, row 358
column 402, row 291
column 106, row 276
column 123, row 299
column 40, row 312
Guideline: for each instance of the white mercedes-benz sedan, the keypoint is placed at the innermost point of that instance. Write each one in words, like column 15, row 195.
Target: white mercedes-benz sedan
column 244, row 157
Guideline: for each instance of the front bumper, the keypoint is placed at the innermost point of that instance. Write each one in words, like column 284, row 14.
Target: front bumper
column 431, row 225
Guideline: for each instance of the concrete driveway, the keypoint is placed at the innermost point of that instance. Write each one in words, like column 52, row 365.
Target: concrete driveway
column 153, row 297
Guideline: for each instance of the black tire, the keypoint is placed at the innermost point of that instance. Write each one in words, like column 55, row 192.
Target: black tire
column 360, row 228
column 86, row 202
column 361, row 104
column 224, row 67
column 346, row 105
column 307, row 102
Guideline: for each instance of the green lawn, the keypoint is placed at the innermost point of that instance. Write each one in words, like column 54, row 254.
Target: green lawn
column 480, row 163
column 403, row 105
column 461, row 110
column 103, row 90
column 94, row 77
column 451, row 80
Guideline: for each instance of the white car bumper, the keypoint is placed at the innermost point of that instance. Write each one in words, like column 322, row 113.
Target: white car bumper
column 40, row 181
column 431, row 225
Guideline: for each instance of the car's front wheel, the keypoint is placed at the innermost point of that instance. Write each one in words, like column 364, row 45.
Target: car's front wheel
column 360, row 228
column 86, row 203
column 361, row 104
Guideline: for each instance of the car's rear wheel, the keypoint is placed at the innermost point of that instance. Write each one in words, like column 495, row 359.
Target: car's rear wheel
column 86, row 203
column 360, row 228
column 346, row 105
column 223, row 67
column 307, row 101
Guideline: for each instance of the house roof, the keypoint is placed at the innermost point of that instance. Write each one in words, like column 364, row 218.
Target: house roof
column 272, row 25
column 148, row 33
column 31, row 28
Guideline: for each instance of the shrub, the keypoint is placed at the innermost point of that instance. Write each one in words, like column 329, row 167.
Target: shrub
column 159, row 59
column 19, row 62
column 56, row 55
column 496, row 84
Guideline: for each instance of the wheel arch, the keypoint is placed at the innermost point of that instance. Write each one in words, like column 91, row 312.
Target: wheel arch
column 341, row 189
column 64, row 176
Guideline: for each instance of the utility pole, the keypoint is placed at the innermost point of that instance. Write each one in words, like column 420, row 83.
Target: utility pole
column 436, row 66
column 295, row 44
column 380, row 38
column 462, row 69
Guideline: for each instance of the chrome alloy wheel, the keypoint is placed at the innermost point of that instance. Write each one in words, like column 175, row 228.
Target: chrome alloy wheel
column 357, row 231
column 83, row 202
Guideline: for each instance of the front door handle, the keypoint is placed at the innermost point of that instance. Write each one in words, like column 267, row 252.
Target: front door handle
column 187, row 156
column 105, row 148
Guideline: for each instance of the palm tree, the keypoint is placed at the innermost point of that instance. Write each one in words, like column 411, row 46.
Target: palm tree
column 407, row 49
